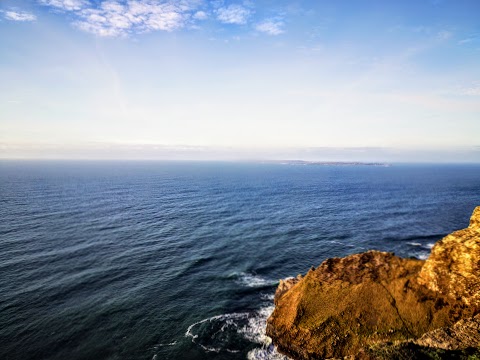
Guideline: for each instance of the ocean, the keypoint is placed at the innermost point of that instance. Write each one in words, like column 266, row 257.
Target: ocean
column 180, row 260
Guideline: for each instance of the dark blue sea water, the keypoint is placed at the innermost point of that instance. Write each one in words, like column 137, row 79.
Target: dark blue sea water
column 159, row 260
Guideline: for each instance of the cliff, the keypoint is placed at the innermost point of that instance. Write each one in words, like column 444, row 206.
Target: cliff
column 378, row 305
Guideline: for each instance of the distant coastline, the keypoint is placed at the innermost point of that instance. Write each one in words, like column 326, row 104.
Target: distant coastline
column 327, row 163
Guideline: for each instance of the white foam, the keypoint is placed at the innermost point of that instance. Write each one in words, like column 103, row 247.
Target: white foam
column 167, row 344
column 210, row 349
column 335, row 242
column 430, row 245
column 423, row 256
column 255, row 331
column 269, row 353
column 253, row 280
column 228, row 320
column 255, row 328
column 414, row 244
column 217, row 317
column 268, row 297
column 250, row 326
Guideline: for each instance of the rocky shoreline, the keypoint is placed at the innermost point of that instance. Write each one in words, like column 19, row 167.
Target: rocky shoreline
column 377, row 305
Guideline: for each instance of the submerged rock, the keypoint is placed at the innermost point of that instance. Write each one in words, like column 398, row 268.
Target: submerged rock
column 375, row 299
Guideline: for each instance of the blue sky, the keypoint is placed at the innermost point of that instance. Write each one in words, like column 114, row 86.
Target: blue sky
column 389, row 80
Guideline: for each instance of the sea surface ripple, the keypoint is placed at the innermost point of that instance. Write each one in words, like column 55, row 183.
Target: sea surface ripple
column 180, row 260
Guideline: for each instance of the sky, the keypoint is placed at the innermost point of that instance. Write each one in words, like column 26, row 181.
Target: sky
column 196, row 79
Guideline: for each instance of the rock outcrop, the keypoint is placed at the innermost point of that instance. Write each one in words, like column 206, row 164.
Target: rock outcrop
column 461, row 335
column 376, row 300
column 453, row 268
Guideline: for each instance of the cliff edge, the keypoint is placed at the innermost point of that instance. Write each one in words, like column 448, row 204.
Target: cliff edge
column 375, row 304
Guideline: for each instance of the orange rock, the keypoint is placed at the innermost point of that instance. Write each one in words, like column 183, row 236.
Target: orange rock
column 347, row 305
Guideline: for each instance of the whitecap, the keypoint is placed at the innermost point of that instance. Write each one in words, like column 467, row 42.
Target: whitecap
column 430, row 245
column 166, row 344
column 254, row 280
column 414, row 244
column 335, row 242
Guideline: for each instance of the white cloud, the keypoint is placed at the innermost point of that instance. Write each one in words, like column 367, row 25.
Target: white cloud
column 200, row 15
column 68, row 5
column 109, row 18
column 233, row 14
column 19, row 15
column 271, row 27
column 122, row 17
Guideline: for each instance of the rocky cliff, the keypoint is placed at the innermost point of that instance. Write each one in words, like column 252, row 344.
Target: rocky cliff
column 377, row 305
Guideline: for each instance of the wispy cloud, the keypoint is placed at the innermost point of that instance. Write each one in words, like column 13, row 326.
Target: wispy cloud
column 233, row 14
column 270, row 27
column 120, row 17
column 468, row 40
column 444, row 35
column 18, row 15
column 111, row 18
column 114, row 18
column 472, row 90
column 68, row 5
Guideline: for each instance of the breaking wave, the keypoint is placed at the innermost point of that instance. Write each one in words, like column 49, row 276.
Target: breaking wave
column 422, row 251
column 236, row 332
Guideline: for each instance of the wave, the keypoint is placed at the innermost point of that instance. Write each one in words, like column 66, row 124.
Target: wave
column 268, row 297
column 254, row 280
column 167, row 344
column 415, row 238
column 422, row 256
column 423, row 251
column 255, row 328
column 217, row 325
column 255, row 331
column 336, row 242
column 427, row 246
column 414, row 244
column 265, row 354
column 221, row 333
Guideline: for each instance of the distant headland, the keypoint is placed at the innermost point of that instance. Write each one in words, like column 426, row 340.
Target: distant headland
column 326, row 163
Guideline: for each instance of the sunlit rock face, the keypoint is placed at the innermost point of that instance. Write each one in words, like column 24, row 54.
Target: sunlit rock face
column 453, row 268
column 347, row 305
